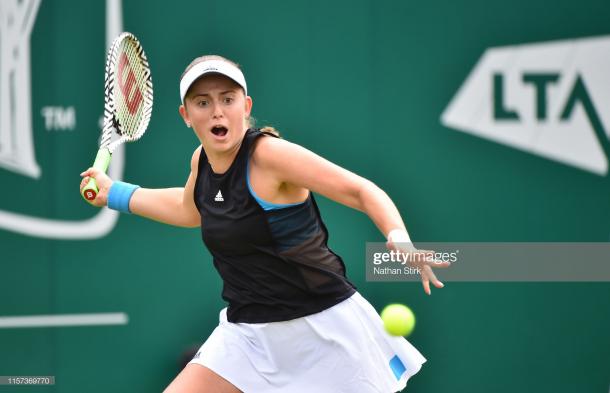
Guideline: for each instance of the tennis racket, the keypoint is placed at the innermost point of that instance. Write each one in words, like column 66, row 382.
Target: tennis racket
column 127, row 102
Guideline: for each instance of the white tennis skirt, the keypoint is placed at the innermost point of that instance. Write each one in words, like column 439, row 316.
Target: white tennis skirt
column 344, row 348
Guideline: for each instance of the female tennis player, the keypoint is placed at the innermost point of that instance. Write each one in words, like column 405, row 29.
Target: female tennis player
column 294, row 323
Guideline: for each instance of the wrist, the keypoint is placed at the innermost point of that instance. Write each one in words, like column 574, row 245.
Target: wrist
column 398, row 235
column 119, row 195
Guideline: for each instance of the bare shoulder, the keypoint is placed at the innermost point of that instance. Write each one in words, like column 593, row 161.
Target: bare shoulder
column 269, row 151
column 195, row 159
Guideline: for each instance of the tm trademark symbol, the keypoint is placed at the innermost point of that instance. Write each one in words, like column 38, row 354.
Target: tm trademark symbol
column 57, row 118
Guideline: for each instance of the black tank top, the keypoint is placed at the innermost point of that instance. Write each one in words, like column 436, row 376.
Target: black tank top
column 275, row 264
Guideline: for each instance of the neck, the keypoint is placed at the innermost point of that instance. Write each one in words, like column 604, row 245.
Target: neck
column 221, row 161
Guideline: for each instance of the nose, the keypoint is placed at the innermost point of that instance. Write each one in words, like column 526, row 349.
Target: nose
column 217, row 113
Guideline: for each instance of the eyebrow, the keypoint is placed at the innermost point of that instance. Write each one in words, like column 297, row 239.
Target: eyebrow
column 207, row 94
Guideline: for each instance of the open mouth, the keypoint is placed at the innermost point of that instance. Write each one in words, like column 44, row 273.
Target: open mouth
column 219, row 130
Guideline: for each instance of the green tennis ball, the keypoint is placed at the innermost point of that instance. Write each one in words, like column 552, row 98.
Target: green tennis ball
column 398, row 319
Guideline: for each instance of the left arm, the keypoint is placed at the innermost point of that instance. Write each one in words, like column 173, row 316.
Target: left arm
column 292, row 164
column 295, row 165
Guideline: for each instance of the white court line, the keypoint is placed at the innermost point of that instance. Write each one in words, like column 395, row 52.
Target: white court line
column 30, row 321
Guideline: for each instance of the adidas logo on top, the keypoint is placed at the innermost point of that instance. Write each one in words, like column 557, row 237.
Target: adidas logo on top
column 218, row 197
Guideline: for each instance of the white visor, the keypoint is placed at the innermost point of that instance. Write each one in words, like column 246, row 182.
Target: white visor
column 208, row 67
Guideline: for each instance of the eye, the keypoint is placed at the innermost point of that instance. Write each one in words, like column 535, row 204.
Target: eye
column 228, row 100
column 202, row 103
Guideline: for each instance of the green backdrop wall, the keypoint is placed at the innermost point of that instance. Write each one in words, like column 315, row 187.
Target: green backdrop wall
column 362, row 83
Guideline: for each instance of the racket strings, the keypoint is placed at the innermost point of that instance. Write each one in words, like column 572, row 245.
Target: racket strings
column 132, row 90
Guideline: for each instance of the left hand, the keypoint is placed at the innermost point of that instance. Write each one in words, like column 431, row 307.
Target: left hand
column 424, row 263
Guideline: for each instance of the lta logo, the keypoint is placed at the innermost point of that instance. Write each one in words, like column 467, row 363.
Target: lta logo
column 549, row 99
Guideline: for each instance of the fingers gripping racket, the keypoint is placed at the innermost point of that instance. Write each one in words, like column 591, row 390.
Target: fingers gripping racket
column 128, row 101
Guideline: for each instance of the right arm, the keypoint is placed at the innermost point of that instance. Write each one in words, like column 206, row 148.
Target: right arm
column 173, row 206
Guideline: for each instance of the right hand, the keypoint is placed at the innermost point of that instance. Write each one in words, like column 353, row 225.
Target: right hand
column 104, row 182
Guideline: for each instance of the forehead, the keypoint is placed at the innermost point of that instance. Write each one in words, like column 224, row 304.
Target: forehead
column 213, row 81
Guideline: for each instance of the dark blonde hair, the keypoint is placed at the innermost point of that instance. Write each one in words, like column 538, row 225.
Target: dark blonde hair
column 252, row 123
column 250, row 120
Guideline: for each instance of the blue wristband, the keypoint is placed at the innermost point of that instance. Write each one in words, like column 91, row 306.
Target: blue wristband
column 119, row 195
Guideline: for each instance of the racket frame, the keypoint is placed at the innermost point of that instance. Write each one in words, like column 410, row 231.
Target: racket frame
column 113, row 133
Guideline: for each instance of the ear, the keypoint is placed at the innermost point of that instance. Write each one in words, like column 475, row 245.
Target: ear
column 185, row 115
column 248, row 104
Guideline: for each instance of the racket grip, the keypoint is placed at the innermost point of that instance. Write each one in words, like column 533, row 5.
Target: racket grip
column 102, row 160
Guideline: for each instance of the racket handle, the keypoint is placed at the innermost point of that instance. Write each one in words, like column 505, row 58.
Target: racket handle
column 102, row 160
